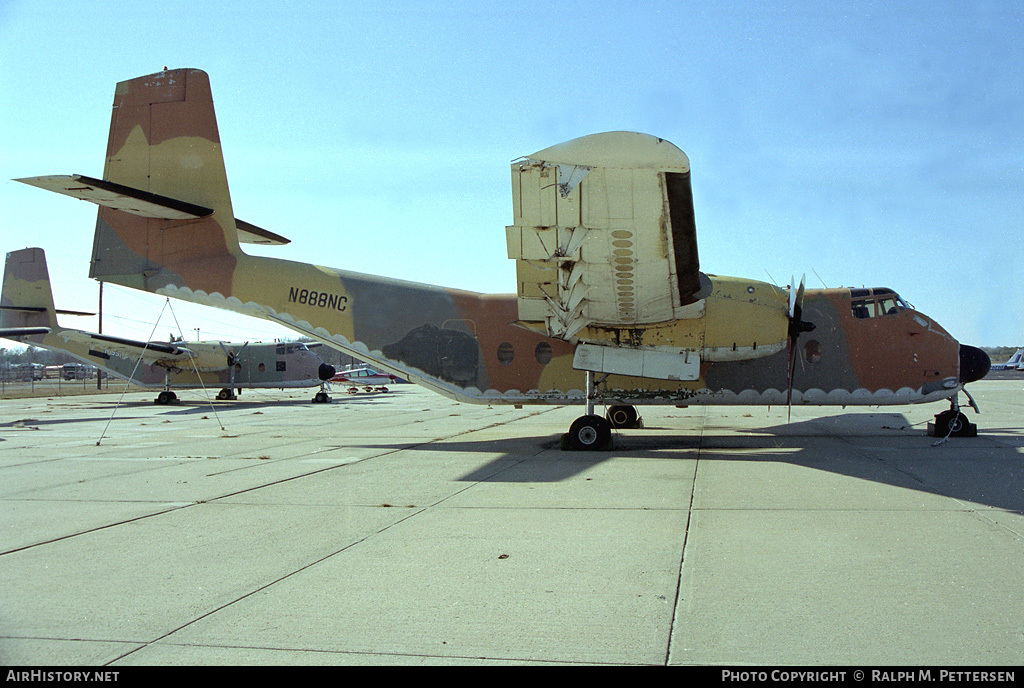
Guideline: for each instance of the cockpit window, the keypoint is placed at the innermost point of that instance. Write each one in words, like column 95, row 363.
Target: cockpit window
column 875, row 303
column 283, row 349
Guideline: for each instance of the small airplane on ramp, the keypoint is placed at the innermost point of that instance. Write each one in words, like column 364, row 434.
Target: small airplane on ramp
column 27, row 315
column 363, row 377
column 610, row 306
column 1015, row 362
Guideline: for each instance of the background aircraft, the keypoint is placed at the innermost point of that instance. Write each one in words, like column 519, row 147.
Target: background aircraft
column 27, row 315
column 364, row 377
column 610, row 305
column 1015, row 362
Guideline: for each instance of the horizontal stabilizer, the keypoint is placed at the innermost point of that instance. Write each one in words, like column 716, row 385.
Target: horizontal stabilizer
column 23, row 331
column 40, row 309
column 249, row 233
column 143, row 203
column 118, row 197
column 132, row 345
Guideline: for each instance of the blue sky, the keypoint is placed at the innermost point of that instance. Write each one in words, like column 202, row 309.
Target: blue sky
column 861, row 144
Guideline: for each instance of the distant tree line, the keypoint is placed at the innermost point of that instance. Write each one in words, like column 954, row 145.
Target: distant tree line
column 999, row 354
column 33, row 354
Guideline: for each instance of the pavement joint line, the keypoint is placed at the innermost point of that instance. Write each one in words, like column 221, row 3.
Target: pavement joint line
column 347, row 547
column 93, row 530
column 686, row 537
column 421, row 655
column 275, row 482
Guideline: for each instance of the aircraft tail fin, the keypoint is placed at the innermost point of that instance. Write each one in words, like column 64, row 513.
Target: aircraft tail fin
column 26, row 300
column 164, row 148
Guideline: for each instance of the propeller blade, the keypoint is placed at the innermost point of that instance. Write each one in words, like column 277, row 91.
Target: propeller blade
column 796, row 327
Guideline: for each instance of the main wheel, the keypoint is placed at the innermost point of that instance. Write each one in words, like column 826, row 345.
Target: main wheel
column 165, row 398
column 590, row 432
column 954, row 424
column 622, row 416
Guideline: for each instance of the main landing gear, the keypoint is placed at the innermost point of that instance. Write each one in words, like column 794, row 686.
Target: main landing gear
column 624, row 417
column 226, row 395
column 166, row 397
column 589, row 432
column 593, row 432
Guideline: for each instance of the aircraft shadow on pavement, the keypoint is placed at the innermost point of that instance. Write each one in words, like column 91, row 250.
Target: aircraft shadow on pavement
column 188, row 407
column 883, row 448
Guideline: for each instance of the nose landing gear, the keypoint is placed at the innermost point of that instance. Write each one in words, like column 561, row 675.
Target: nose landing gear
column 953, row 422
column 321, row 397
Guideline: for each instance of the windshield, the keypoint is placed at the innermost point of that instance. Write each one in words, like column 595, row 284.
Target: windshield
column 876, row 303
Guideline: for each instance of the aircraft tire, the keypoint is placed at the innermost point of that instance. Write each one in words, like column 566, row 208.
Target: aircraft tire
column 590, row 433
column 321, row 398
column 622, row 416
column 953, row 424
column 165, row 398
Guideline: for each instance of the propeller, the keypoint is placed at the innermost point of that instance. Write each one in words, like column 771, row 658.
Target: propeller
column 797, row 326
column 233, row 358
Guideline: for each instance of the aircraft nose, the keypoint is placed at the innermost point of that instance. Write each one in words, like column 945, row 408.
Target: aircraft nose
column 326, row 372
column 974, row 363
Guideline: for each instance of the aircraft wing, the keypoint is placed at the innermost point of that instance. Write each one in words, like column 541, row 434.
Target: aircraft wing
column 604, row 235
column 143, row 203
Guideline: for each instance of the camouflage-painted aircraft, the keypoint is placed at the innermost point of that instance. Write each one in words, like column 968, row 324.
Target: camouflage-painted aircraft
column 27, row 315
column 611, row 306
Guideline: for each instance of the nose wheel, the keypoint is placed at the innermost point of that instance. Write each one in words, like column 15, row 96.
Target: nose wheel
column 953, row 423
column 322, row 397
